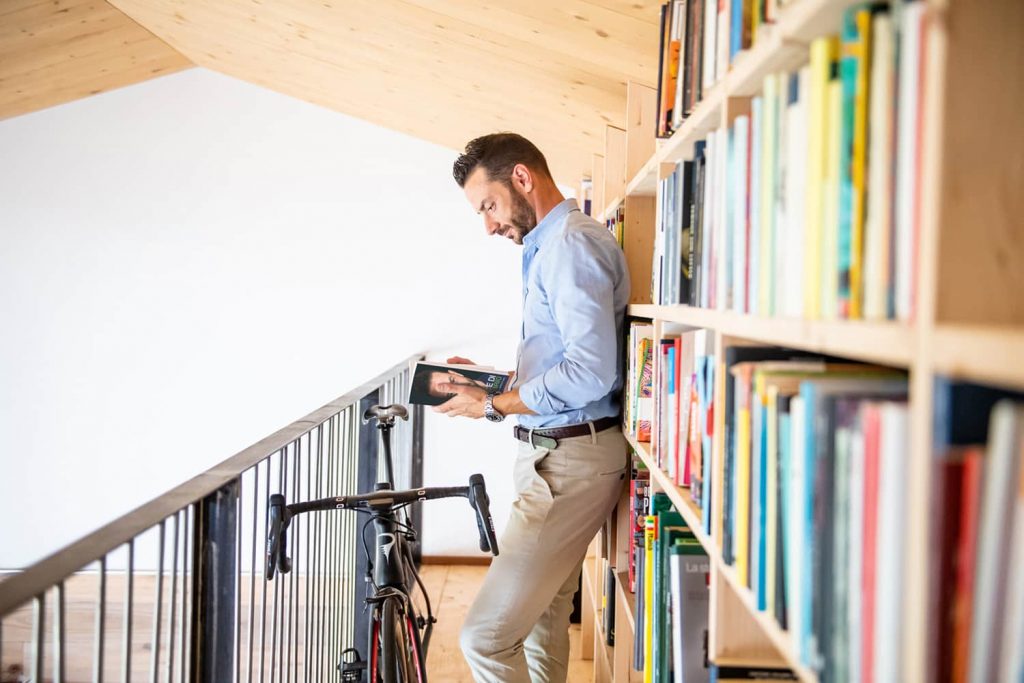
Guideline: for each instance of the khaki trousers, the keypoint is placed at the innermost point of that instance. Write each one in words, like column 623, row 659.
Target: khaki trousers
column 517, row 630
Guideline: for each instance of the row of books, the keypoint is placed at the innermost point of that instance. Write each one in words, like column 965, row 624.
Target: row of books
column 808, row 204
column 699, row 41
column 672, row 579
column 977, row 543
column 814, row 477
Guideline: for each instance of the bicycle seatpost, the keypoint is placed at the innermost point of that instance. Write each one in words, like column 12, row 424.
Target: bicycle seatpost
column 385, row 417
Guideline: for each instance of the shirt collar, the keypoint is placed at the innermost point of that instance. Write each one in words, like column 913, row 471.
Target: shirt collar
column 539, row 234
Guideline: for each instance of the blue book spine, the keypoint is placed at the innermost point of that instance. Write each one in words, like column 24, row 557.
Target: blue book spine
column 848, row 68
column 753, row 279
column 706, row 378
column 761, row 551
column 807, row 645
column 736, row 29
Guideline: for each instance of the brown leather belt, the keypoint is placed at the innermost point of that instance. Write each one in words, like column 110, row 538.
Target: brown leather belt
column 548, row 437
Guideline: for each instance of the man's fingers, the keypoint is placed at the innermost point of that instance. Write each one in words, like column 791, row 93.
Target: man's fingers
column 459, row 360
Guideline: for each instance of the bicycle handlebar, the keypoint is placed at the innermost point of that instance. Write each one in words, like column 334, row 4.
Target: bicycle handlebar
column 280, row 515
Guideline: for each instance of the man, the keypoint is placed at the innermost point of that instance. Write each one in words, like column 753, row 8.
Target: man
column 572, row 456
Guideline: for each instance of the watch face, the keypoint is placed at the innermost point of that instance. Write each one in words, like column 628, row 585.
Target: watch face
column 493, row 417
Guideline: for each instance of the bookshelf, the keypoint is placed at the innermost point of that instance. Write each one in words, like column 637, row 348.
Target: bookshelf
column 968, row 319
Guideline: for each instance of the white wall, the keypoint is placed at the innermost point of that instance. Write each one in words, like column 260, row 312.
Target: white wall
column 188, row 264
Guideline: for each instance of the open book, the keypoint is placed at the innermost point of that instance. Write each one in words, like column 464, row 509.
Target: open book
column 428, row 376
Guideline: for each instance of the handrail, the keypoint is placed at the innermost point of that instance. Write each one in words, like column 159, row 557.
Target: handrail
column 20, row 588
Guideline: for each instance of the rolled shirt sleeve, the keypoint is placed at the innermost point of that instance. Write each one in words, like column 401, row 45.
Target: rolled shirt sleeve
column 578, row 277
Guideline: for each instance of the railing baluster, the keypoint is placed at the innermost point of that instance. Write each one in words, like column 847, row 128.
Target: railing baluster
column 310, row 540
column 186, row 591
column 158, row 608
column 293, row 623
column 173, row 603
column 59, row 672
column 101, row 624
column 252, row 564
column 321, row 523
column 39, row 636
column 263, row 600
column 126, row 662
column 238, row 579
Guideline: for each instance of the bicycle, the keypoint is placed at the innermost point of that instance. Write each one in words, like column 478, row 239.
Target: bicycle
column 399, row 635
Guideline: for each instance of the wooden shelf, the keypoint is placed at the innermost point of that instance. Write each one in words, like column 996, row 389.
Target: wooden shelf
column 645, row 183
column 889, row 343
column 612, row 206
column 679, row 496
column 992, row 355
column 782, row 641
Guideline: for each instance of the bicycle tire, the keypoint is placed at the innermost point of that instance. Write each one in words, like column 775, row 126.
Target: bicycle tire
column 399, row 646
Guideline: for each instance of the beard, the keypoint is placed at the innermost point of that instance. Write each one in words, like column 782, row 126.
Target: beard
column 522, row 220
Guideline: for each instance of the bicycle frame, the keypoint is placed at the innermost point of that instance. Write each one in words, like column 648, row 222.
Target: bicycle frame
column 393, row 567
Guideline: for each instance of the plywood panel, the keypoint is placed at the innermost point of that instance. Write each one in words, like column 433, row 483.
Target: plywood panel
column 56, row 51
column 444, row 70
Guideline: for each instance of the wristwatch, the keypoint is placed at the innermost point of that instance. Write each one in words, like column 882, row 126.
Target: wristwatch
column 490, row 412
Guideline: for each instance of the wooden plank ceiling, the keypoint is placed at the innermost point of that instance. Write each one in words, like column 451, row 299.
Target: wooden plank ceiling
column 441, row 70
column 55, row 51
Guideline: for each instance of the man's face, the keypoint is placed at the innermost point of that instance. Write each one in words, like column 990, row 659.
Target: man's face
column 505, row 211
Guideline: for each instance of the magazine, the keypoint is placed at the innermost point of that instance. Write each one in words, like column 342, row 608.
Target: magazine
column 428, row 376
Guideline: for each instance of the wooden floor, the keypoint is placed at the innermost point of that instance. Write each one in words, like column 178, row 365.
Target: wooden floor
column 452, row 588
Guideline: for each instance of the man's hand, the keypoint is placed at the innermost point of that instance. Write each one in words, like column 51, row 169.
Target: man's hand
column 459, row 360
column 467, row 402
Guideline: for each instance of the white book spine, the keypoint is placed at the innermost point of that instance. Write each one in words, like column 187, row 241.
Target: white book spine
column 710, row 18
column 753, row 275
column 878, row 218
column 994, row 532
column 890, row 541
column 722, row 242
column 738, row 261
column 856, row 563
column 906, row 156
column 796, row 207
column 675, row 568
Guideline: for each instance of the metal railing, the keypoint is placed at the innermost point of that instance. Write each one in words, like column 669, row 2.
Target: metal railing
column 175, row 592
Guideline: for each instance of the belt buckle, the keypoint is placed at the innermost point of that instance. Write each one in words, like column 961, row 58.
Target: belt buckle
column 536, row 440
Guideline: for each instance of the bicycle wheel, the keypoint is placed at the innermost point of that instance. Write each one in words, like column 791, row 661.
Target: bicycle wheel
column 399, row 646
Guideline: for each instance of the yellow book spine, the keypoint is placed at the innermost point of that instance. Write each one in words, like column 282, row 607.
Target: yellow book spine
column 650, row 530
column 829, row 257
column 859, row 170
column 742, row 494
column 824, row 52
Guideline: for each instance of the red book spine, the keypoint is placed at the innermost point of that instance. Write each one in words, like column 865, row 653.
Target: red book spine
column 970, row 502
column 871, row 419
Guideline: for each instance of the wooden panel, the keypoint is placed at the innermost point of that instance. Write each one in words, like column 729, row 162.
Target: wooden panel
column 641, row 118
column 614, row 164
column 638, row 246
column 981, row 221
column 445, row 71
column 56, row 51
column 597, row 175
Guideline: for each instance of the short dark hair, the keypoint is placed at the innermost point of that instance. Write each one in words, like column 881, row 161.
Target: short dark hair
column 498, row 153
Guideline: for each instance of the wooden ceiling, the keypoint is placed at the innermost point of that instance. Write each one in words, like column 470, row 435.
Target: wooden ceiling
column 441, row 70
column 55, row 51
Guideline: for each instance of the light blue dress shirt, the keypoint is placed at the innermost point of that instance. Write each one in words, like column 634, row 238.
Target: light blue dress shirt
column 575, row 291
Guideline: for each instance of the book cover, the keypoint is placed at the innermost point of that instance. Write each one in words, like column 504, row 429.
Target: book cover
column 823, row 56
column 878, row 210
column 689, row 572
column 858, row 173
column 428, row 380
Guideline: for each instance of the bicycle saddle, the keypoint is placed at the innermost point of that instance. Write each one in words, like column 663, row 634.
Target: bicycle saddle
column 385, row 415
